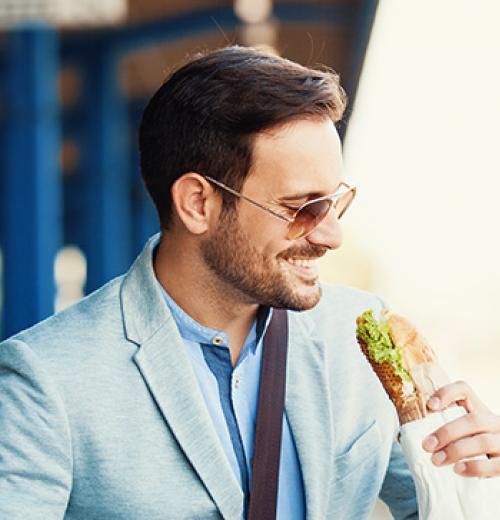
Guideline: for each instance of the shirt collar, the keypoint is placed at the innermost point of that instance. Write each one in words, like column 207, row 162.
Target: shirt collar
column 191, row 330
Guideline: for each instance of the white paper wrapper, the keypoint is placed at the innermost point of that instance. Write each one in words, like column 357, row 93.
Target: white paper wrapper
column 441, row 493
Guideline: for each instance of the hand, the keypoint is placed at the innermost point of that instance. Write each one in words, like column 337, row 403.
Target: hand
column 476, row 433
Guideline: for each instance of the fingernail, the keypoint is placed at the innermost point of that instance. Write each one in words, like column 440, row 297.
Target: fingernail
column 459, row 467
column 439, row 457
column 430, row 443
column 434, row 403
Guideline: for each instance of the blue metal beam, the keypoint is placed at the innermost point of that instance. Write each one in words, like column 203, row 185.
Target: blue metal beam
column 196, row 23
column 105, row 227
column 334, row 15
column 362, row 31
column 30, row 184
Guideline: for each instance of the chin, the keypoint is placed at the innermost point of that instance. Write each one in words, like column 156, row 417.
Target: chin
column 302, row 300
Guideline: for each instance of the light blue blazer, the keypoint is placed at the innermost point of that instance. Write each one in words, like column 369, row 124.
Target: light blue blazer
column 101, row 416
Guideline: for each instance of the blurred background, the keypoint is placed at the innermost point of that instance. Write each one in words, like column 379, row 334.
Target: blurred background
column 420, row 141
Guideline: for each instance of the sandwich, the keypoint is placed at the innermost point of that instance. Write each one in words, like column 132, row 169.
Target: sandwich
column 408, row 370
column 403, row 361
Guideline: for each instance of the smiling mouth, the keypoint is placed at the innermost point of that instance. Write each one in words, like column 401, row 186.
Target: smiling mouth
column 305, row 268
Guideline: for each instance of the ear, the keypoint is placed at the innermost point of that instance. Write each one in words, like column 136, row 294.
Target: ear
column 195, row 202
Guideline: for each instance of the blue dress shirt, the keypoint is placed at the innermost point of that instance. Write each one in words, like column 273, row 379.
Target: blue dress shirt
column 231, row 398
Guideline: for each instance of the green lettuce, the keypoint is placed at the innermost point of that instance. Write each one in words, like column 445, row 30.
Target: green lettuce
column 380, row 345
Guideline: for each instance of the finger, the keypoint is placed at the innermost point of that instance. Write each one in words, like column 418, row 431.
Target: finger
column 482, row 444
column 479, row 468
column 470, row 424
column 458, row 392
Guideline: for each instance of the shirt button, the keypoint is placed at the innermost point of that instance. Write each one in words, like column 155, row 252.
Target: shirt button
column 217, row 340
column 237, row 382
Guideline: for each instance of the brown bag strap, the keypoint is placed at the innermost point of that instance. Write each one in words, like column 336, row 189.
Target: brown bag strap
column 267, row 448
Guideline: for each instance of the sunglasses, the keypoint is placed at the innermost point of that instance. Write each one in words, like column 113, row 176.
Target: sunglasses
column 309, row 215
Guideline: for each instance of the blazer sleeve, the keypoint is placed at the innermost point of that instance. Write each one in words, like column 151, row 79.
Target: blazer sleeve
column 398, row 489
column 35, row 446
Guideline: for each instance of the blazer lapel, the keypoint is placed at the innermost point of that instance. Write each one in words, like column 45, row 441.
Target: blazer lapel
column 166, row 368
column 309, row 413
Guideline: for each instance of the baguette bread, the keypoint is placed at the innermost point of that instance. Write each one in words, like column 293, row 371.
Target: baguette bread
column 403, row 361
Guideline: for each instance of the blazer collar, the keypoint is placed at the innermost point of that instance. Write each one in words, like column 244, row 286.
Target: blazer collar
column 166, row 368
column 143, row 308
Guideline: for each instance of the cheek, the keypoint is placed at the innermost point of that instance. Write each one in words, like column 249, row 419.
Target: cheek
column 265, row 232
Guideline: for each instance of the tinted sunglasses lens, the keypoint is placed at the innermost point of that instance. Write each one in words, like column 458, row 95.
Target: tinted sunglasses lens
column 308, row 217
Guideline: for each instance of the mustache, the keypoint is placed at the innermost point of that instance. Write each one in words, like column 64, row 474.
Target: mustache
column 309, row 251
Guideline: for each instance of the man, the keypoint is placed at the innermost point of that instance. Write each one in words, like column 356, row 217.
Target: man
column 140, row 401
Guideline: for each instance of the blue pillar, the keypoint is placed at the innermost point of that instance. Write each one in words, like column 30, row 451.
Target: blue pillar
column 145, row 219
column 30, row 185
column 106, row 224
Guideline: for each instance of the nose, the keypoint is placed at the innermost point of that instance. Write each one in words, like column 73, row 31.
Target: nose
column 328, row 233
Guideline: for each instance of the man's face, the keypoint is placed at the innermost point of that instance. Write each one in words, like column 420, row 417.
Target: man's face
column 249, row 251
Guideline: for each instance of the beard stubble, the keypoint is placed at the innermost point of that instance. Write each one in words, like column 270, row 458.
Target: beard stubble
column 228, row 253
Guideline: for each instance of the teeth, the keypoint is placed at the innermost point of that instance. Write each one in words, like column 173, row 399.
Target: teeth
column 300, row 262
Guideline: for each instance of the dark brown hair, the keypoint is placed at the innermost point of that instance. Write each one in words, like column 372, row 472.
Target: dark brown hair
column 205, row 115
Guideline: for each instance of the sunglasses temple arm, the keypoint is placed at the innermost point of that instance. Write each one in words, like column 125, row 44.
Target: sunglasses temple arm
column 255, row 203
column 269, row 210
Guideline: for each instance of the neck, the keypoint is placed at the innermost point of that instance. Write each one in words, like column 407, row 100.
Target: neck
column 198, row 291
